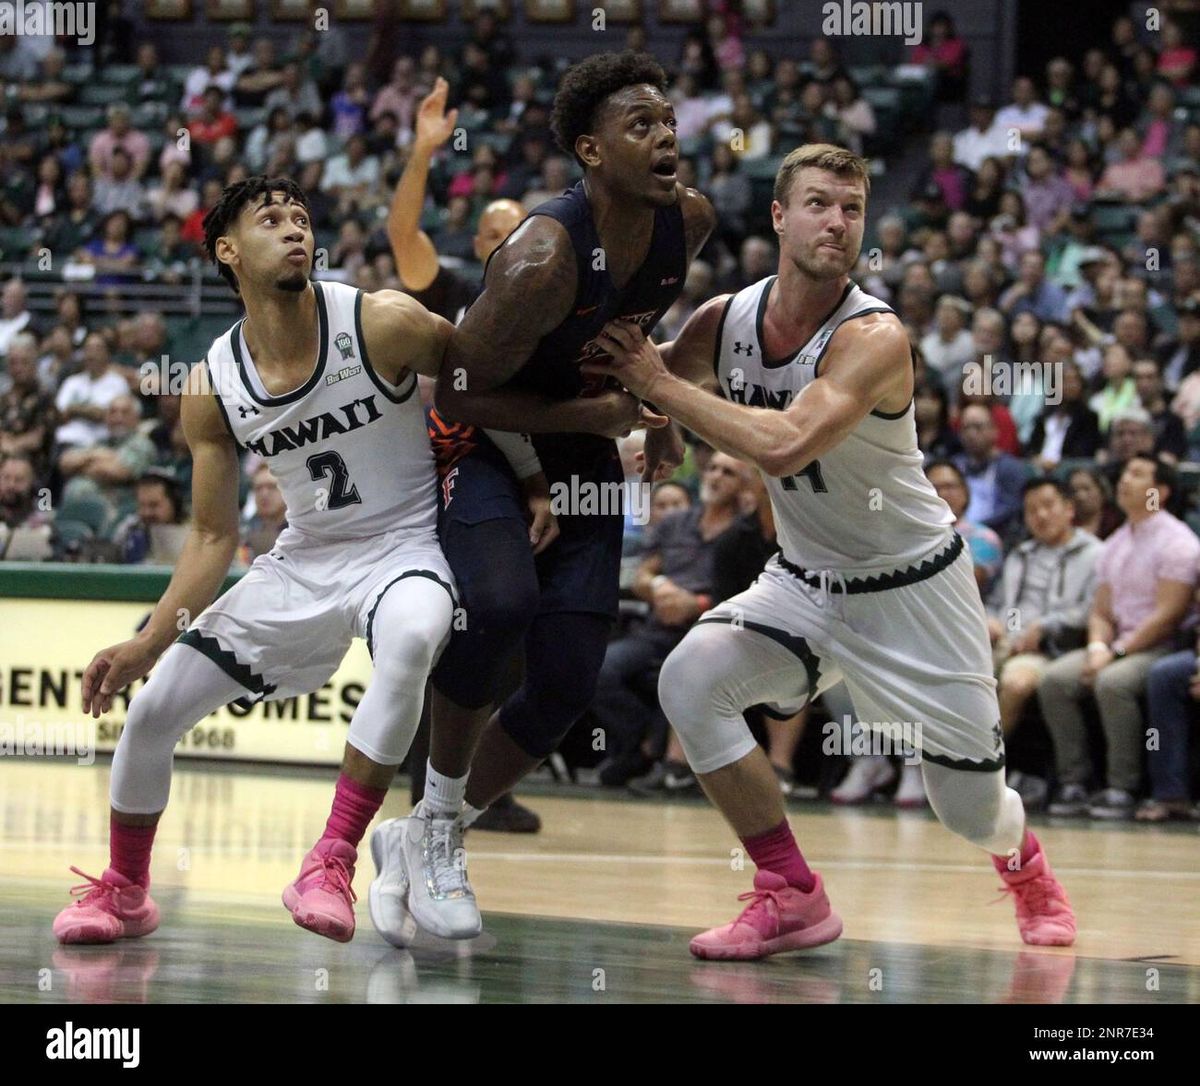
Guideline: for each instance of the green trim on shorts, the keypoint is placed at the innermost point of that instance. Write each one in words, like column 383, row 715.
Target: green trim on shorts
column 963, row 763
column 795, row 644
column 375, row 606
column 227, row 662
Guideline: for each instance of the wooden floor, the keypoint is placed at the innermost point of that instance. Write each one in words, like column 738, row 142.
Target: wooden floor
column 599, row 906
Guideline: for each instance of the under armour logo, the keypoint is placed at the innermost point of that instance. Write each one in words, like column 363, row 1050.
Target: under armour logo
column 245, row 412
column 740, row 348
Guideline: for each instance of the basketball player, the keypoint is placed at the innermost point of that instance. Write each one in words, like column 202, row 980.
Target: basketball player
column 814, row 384
column 346, row 439
column 617, row 244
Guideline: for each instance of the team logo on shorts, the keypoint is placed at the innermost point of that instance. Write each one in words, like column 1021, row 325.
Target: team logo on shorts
column 345, row 345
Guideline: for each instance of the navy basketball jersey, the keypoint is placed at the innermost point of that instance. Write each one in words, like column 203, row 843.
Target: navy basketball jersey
column 553, row 368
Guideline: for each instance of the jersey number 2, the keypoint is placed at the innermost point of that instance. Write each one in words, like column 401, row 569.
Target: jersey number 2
column 331, row 465
column 812, row 473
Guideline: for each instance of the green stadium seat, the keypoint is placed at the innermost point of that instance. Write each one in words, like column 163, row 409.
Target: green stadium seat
column 102, row 94
column 77, row 73
column 88, row 509
column 82, row 117
column 1113, row 218
column 16, row 241
column 123, row 74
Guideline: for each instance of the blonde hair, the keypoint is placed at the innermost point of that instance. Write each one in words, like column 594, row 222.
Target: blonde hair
column 820, row 156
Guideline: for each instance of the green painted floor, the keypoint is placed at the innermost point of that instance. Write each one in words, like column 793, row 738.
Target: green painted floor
column 212, row 953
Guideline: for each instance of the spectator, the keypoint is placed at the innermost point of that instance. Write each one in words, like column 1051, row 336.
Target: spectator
column 119, row 190
column 1012, row 233
column 1119, row 391
column 1067, row 430
column 950, row 346
column 995, row 477
column 757, row 259
column 731, row 193
column 987, row 186
column 1177, row 61
column 692, row 109
column 19, row 502
column 83, row 398
column 1033, row 292
column 350, row 104
column 984, row 138
column 110, row 467
column 1134, row 177
column 1048, row 197
column 1080, row 171
column 214, row 72
column 1131, row 434
column 1093, row 496
column 1060, row 90
column 193, row 226
column 267, row 137
column 676, row 579
column 487, row 36
column 1026, row 114
column 1038, row 609
column 15, row 316
column 353, row 176
column 987, row 552
column 213, row 121
column 158, row 502
column 112, row 252
column 1172, row 690
column 399, row 97
column 1180, row 357
column 49, row 197
column 952, row 179
column 172, row 195
column 119, row 135
column 946, row 54
column 1146, row 576
column 26, row 409
column 931, row 409
column 555, row 179
column 296, row 93
column 251, row 88
column 482, row 86
column 1170, row 440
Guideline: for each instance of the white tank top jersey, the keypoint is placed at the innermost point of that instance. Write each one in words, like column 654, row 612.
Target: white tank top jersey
column 350, row 451
column 865, row 504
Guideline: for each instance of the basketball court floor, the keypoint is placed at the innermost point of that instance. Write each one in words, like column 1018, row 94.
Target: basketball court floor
column 598, row 907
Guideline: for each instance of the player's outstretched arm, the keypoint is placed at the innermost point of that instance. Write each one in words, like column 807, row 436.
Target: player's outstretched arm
column 204, row 561
column 416, row 256
column 861, row 371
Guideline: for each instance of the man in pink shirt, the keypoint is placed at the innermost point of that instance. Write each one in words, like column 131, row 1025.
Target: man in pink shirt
column 119, row 133
column 1135, row 177
column 1145, row 575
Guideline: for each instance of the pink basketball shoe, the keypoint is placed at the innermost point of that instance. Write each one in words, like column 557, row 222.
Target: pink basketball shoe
column 322, row 898
column 111, row 908
column 1044, row 915
column 779, row 917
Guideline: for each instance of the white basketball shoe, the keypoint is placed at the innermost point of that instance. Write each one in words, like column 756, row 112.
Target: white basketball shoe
column 387, row 899
column 439, row 896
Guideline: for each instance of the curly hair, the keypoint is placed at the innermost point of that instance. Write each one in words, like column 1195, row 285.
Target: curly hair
column 586, row 85
column 235, row 197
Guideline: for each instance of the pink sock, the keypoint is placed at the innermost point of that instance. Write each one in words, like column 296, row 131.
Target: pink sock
column 129, row 850
column 354, row 805
column 776, row 851
column 1030, row 847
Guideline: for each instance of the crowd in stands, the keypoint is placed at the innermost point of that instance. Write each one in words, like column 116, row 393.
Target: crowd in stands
column 1046, row 264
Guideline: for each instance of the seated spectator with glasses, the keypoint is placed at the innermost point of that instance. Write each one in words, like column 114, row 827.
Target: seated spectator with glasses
column 1146, row 575
column 1038, row 609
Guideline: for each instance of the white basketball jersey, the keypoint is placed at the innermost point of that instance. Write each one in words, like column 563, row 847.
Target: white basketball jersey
column 351, row 451
column 865, row 504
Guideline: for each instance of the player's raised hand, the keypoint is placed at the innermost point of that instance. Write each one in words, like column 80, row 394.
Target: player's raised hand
column 113, row 669
column 434, row 125
column 635, row 361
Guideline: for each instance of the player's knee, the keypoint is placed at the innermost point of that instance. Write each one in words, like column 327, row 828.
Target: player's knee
column 408, row 652
column 504, row 606
column 689, row 683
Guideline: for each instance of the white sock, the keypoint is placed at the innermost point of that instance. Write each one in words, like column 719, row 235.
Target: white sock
column 471, row 813
column 444, row 794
